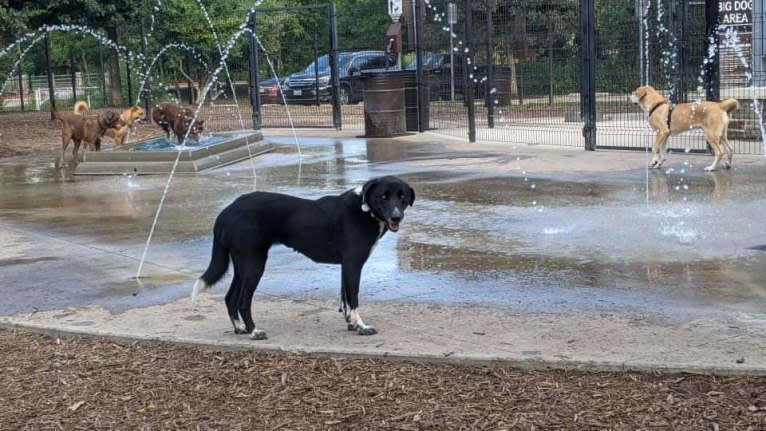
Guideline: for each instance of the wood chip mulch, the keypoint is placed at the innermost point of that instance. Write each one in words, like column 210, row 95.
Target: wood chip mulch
column 74, row 383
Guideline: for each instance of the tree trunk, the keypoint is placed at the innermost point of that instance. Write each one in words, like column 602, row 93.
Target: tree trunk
column 114, row 69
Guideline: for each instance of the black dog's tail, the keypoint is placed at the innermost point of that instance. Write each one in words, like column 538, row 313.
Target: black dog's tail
column 219, row 263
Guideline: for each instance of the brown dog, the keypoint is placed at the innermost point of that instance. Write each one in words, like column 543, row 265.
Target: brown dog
column 171, row 117
column 711, row 117
column 131, row 116
column 85, row 128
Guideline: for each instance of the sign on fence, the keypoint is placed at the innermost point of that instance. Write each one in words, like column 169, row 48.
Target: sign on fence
column 395, row 9
column 736, row 38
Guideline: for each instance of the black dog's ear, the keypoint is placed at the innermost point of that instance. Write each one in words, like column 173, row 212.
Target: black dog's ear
column 412, row 195
column 368, row 186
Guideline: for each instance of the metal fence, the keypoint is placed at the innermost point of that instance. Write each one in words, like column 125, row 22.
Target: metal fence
column 560, row 72
column 555, row 72
column 532, row 82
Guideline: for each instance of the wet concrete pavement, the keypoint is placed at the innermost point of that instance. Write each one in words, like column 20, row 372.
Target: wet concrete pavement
column 529, row 247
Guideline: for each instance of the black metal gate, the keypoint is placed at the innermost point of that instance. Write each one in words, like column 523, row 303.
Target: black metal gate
column 313, row 95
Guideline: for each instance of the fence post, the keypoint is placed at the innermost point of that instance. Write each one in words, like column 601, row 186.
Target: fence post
column 145, row 71
column 51, row 89
column 679, row 18
column 490, row 68
column 551, row 35
column 468, row 72
column 102, row 76
column 255, row 97
column 337, row 119
column 712, row 90
column 74, row 83
column 21, row 88
column 130, row 84
column 587, row 80
column 316, row 69
column 419, row 78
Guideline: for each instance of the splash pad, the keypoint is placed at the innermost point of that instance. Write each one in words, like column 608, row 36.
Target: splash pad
column 157, row 155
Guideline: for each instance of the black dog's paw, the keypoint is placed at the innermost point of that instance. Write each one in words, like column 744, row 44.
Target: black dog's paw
column 362, row 330
column 258, row 334
column 366, row 330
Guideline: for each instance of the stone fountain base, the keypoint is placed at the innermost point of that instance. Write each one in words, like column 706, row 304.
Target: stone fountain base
column 152, row 157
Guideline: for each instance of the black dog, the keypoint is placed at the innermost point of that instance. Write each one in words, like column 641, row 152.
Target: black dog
column 334, row 229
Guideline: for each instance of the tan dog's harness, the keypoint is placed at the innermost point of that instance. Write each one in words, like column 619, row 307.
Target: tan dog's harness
column 657, row 105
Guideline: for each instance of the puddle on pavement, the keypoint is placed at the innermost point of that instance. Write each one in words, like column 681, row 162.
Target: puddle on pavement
column 691, row 234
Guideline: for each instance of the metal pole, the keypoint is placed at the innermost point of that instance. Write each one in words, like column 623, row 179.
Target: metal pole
column 711, row 68
column 255, row 97
column 490, row 68
column 419, row 77
column 683, row 57
column 21, row 88
column 550, row 63
column 31, row 86
column 145, row 71
column 51, row 90
column 130, row 85
column 587, row 83
column 452, row 18
column 642, row 20
column 316, row 68
column 189, row 83
column 337, row 120
column 74, row 82
column 467, row 72
column 102, row 77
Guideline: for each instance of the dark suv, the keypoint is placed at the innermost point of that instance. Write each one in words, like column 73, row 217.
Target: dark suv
column 303, row 87
column 437, row 71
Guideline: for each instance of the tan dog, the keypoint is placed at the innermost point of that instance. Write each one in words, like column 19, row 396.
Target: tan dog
column 130, row 117
column 87, row 129
column 711, row 117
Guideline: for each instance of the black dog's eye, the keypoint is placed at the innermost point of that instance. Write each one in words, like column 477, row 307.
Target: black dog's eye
column 384, row 196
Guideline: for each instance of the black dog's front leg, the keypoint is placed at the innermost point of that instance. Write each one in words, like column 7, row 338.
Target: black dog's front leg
column 351, row 274
column 343, row 308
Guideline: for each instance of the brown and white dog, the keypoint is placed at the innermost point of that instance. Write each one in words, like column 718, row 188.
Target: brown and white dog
column 711, row 117
column 88, row 129
column 177, row 119
column 131, row 116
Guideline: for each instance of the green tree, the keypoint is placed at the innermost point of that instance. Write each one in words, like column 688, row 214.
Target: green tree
column 107, row 15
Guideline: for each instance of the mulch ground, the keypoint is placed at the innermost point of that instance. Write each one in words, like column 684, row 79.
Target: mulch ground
column 64, row 383
column 71, row 383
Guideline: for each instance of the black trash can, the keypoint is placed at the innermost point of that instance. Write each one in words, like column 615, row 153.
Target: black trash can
column 384, row 113
column 411, row 100
column 502, row 83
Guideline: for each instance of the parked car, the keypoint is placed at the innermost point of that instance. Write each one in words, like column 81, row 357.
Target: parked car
column 436, row 67
column 304, row 87
column 271, row 91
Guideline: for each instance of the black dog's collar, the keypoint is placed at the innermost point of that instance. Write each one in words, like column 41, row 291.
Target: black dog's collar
column 366, row 208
